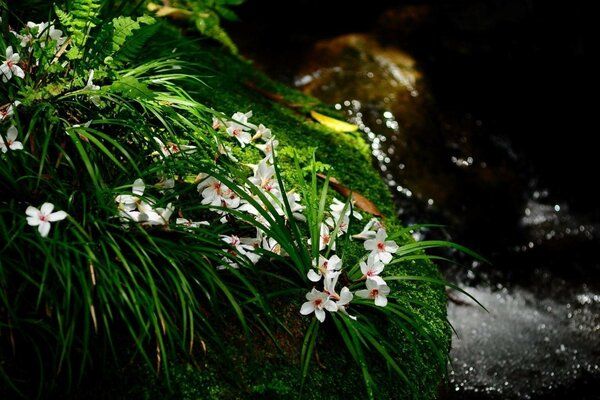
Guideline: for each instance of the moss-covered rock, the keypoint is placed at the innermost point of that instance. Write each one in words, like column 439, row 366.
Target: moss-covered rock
column 267, row 371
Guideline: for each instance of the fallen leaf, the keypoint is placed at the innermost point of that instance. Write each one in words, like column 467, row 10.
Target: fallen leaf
column 166, row 11
column 360, row 201
column 335, row 124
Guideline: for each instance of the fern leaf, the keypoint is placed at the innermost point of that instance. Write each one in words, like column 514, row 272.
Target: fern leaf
column 208, row 24
column 78, row 20
column 135, row 44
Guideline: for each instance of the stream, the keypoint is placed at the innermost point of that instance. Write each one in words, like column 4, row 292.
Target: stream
column 475, row 118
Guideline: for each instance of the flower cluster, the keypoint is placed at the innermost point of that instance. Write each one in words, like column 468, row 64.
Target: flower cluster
column 134, row 208
column 262, row 197
column 329, row 270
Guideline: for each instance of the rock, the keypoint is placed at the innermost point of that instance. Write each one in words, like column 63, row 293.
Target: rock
column 435, row 159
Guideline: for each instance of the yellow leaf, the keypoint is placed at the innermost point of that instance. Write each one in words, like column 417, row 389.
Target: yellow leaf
column 332, row 123
column 164, row 11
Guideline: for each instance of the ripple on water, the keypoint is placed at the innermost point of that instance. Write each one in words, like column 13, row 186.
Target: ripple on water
column 552, row 343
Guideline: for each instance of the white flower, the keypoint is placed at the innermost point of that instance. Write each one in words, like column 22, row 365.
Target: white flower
column 318, row 302
column 10, row 67
column 216, row 193
column 372, row 268
column 296, row 208
column 343, row 222
column 216, row 123
column 325, row 267
column 262, row 132
column 26, row 40
column 239, row 126
column 42, row 217
column 243, row 246
column 268, row 149
column 375, row 291
column 264, row 178
column 337, row 207
column 271, row 245
column 325, row 238
column 90, row 86
column 241, row 120
column 380, row 248
column 138, row 187
column 8, row 111
column 158, row 216
column 11, row 140
column 346, row 297
column 369, row 230
column 44, row 31
column 242, row 136
column 172, row 148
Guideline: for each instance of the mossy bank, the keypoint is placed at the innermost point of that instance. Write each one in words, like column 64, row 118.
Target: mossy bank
column 231, row 85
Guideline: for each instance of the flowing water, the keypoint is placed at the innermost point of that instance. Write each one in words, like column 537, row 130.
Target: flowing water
column 455, row 135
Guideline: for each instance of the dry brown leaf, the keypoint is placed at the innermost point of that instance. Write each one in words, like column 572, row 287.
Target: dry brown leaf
column 360, row 201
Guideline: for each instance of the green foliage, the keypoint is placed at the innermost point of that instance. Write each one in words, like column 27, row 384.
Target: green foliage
column 102, row 289
column 205, row 15
column 80, row 17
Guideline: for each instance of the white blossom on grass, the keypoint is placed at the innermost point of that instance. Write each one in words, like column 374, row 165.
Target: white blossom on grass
column 268, row 149
column 242, row 246
column 11, row 141
column 337, row 207
column 342, row 223
column 90, row 86
column 44, row 32
column 264, row 178
column 43, row 216
column 345, row 297
column 239, row 126
column 271, row 245
column 262, row 132
column 380, row 248
column 325, row 238
column 372, row 268
column 217, row 194
column 295, row 207
column 318, row 302
column 241, row 135
column 370, row 230
column 375, row 291
column 325, row 267
column 8, row 111
column 10, row 66
column 172, row 148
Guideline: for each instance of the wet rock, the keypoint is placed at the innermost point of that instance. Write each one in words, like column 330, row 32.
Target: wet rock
column 435, row 160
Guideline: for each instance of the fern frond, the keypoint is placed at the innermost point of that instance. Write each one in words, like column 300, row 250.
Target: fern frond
column 135, row 44
column 78, row 20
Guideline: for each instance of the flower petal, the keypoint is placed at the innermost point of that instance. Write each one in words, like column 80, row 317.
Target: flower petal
column 320, row 314
column 16, row 146
column 32, row 211
column 44, row 228
column 307, row 308
column 11, row 133
column 138, row 187
column 57, row 216
column 385, row 257
column 364, row 293
column 46, row 208
column 313, row 276
column 381, row 301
